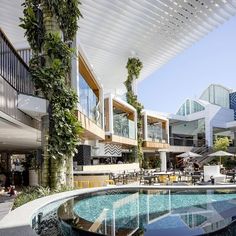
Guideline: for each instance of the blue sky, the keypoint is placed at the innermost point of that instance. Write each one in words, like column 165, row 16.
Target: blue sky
column 210, row 60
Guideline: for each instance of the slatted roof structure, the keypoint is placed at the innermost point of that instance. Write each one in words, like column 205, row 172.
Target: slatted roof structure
column 153, row 30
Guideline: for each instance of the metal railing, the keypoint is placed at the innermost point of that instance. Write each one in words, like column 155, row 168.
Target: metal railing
column 25, row 54
column 13, row 68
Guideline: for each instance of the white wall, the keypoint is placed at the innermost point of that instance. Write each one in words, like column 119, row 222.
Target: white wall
column 215, row 116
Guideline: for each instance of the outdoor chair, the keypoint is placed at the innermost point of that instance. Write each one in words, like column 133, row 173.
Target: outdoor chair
column 163, row 178
column 173, row 178
column 142, row 181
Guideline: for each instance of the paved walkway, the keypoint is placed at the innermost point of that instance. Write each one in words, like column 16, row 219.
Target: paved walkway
column 6, row 204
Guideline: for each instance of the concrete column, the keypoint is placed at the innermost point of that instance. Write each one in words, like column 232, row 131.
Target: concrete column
column 163, row 160
column 208, row 133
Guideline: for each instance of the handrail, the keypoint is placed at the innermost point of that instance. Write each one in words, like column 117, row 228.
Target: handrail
column 182, row 141
column 13, row 68
column 12, row 48
column 98, row 222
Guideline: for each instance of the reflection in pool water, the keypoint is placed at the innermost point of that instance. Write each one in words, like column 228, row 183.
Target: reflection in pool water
column 148, row 212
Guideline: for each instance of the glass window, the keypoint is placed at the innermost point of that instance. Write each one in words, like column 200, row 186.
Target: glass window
column 88, row 100
column 181, row 111
column 190, row 107
column 187, row 107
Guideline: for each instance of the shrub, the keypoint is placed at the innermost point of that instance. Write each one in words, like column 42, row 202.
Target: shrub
column 31, row 193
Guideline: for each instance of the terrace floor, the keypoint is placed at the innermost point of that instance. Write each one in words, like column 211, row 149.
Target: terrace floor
column 6, row 203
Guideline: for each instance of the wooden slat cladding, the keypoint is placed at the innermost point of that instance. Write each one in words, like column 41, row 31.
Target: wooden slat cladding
column 88, row 76
column 125, row 109
column 155, row 145
column 8, row 104
column 121, row 140
column 91, row 130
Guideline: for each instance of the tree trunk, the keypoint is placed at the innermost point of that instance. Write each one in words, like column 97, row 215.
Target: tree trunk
column 69, row 172
column 45, row 165
column 51, row 167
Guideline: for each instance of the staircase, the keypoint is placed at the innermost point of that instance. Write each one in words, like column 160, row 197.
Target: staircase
column 204, row 151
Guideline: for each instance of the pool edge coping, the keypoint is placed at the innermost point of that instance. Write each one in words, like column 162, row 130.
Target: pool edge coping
column 22, row 216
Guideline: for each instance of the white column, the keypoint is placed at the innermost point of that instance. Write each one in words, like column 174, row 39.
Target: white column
column 163, row 160
column 145, row 135
column 208, row 132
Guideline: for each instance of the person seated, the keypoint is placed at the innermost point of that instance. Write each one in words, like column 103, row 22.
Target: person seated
column 11, row 190
column 196, row 166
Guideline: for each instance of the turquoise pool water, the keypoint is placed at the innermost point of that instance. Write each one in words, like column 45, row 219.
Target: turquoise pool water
column 155, row 212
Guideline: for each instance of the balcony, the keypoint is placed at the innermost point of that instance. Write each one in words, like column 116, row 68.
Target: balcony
column 120, row 121
column 13, row 69
column 90, row 102
column 155, row 131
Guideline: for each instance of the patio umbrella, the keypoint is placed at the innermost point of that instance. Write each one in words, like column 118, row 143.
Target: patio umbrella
column 221, row 154
column 187, row 155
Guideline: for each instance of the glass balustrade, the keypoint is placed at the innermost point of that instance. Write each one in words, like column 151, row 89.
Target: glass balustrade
column 156, row 133
column 122, row 126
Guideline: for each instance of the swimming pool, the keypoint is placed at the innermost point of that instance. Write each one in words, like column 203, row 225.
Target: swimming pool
column 148, row 212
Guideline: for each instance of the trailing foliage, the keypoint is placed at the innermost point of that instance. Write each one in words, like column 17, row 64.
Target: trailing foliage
column 67, row 13
column 31, row 193
column 50, row 68
column 134, row 66
column 33, row 24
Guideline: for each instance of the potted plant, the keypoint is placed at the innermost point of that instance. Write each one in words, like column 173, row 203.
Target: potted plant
column 33, row 169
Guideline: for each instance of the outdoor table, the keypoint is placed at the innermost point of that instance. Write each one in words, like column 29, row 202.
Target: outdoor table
column 150, row 178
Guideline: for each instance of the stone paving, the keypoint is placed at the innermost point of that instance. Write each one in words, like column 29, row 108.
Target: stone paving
column 6, row 203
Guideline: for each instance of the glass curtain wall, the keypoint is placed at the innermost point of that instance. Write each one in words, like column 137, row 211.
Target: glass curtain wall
column 217, row 95
column 89, row 101
column 190, row 133
column 189, row 107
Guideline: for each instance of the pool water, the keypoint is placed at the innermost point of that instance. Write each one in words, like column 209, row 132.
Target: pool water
column 152, row 212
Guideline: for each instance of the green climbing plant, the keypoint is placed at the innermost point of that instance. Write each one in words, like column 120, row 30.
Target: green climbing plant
column 134, row 67
column 50, row 26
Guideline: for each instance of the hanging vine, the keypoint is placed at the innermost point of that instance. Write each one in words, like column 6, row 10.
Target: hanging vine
column 134, row 66
column 50, row 67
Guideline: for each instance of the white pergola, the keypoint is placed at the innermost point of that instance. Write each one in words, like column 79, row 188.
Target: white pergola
column 113, row 30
